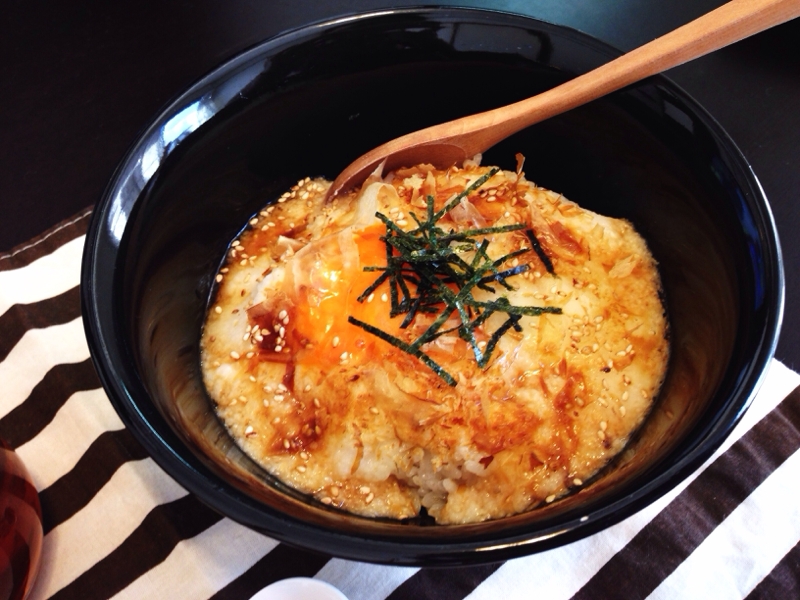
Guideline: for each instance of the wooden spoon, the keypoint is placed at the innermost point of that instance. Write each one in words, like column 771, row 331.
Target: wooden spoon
column 454, row 141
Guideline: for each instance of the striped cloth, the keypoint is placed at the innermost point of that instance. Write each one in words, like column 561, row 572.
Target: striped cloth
column 118, row 526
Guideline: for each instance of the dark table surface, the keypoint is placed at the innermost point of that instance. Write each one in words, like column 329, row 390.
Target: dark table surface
column 78, row 80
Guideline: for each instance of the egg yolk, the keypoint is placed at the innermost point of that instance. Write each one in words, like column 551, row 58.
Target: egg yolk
column 332, row 283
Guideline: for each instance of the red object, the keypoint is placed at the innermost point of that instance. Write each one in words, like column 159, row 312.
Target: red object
column 20, row 527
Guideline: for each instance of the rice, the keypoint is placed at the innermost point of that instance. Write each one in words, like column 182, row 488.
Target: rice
column 297, row 352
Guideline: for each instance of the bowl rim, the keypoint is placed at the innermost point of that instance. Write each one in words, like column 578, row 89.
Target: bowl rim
column 194, row 476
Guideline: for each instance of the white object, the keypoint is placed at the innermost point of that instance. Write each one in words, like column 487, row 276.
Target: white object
column 299, row 588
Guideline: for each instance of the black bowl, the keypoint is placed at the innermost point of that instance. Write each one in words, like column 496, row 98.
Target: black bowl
column 309, row 102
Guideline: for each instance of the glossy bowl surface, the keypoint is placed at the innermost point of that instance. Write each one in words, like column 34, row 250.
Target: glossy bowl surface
column 309, row 102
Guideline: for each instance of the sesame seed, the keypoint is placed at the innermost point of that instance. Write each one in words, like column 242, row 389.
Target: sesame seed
column 370, row 298
column 384, row 298
column 316, row 402
column 304, row 455
column 326, row 500
column 252, row 378
column 625, row 395
column 344, row 356
column 283, row 314
column 317, row 429
column 335, row 341
column 246, row 336
column 218, row 278
column 369, row 498
column 622, row 410
column 276, row 420
column 577, row 481
column 603, row 425
column 598, row 319
column 301, row 468
column 218, row 310
column 373, row 410
column 601, row 434
column 402, row 222
column 266, row 402
column 550, row 498
column 278, row 348
column 234, row 355
column 286, row 444
column 307, row 388
column 248, row 430
column 645, row 395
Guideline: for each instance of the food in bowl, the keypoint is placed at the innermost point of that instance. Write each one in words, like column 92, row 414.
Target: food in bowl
column 457, row 340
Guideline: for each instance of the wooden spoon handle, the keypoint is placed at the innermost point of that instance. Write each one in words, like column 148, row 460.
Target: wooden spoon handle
column 463, row 138
column 727, row 24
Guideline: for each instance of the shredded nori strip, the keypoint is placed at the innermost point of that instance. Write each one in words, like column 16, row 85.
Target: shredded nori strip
column 429, row 259
column 403, row 346
column 537, row 247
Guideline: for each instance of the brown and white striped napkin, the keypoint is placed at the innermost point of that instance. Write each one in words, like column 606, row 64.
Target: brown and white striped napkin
column 118, row 526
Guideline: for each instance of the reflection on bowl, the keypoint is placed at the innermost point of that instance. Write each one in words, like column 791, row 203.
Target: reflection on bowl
column 309, row 102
